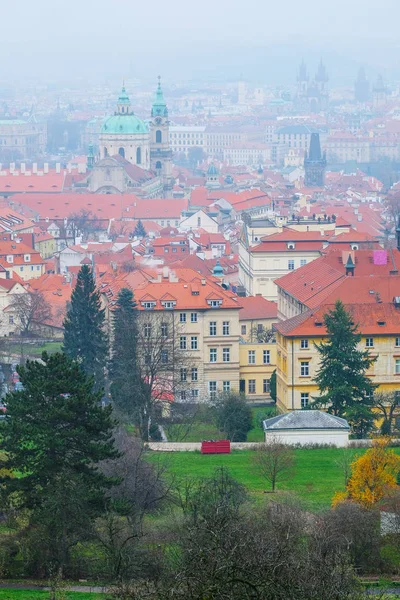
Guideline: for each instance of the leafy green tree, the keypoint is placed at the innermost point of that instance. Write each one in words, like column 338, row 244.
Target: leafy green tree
column 126, row 382
column 85, row 339
column 139, row 231
column 234, row 416
column 345, row 388
column 272, row 386
column 55, row 434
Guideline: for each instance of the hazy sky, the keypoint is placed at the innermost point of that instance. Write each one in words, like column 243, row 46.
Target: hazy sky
column 57, row 38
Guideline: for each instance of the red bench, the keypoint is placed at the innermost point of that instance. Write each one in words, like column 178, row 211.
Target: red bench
column 216, row 447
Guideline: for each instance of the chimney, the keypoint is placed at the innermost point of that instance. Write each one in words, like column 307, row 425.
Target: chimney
column 46, row 168
column 58, row 168
column 23, row 168
column 34, row 168
column 350, row 266
column 165, row 272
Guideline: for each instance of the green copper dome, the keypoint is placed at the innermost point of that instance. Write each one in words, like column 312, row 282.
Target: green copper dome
column 123, row 121
column 124, row 124
column 218, row 271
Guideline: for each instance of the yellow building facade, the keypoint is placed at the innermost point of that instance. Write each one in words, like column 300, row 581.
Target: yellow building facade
column 257, row 363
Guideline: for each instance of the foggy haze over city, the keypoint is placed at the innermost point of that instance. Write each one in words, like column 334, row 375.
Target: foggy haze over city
column 259, row 41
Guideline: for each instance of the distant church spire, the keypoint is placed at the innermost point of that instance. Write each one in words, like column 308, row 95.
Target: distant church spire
column 314, row 164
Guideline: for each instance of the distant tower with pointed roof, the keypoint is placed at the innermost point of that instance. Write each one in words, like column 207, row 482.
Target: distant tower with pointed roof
column 212, row 176
column 314, row 164
column 379, row 93
column 160, row 151
column 361, row 87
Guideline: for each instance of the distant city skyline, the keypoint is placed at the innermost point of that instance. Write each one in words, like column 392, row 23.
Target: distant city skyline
column 260, row 42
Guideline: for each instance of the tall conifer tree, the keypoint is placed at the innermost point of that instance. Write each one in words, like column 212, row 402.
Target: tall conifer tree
column 345, row 388
column 85, row 339
column 126, row 383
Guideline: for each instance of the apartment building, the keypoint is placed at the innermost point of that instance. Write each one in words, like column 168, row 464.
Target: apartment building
column 184, row 137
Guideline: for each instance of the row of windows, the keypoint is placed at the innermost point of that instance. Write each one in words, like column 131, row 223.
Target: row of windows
column 252, row 357
column 213, row 328
column 162, row 223
column 252, row 386
column 303, row 262
column 32, row 268
column 193, row 317
column 183, row 344
column 226, row 355
column 194, row 374
column 305, row 368
column 369, row 343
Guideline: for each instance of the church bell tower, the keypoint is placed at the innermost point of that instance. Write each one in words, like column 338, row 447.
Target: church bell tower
column 160, row 151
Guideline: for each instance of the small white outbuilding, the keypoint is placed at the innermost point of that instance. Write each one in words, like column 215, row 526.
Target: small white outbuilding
column 308, row 427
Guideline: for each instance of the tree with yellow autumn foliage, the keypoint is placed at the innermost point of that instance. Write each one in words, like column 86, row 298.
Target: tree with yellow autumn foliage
column 373, row 475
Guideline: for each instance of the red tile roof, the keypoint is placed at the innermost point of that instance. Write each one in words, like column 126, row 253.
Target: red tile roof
column 257, row 307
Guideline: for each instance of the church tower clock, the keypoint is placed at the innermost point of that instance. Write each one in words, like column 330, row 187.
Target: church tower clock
column 160, row 151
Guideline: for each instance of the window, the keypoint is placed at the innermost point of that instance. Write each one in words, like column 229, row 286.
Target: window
column 193, row 317
column 244, row 329
column 121, row 152
column 266, row 388
column 291, row 264
column 252, row 357
column 158, row 137
column 213, row 327
column 164, row 356
column 304, row 369
column 225, row 328
column 304, row 397
column 266, row 357
column 195, row 394
column 398, row 341
column 182, row 394
column 147, row 330
column 195, row 374
column 182, row 317
column 164, row 330
column 215, row 303
column 213, row 355
column 27, row 257
column 212, row 388
column 182, row 342
column 21, row 268
column 226, row 386
column 193, row 342
column 397, row 371
column 226, row 354
column 11, row 319
column 369, row 342
column 148, row 305
column 138, row 156
column 303, row 261
column 303, row 344
column 252, row 386
column 183, row 374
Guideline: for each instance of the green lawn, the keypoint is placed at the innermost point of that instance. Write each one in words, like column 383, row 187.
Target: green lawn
column 32, row 349
column 9, row 594
column 315, row 479
column 197, row 432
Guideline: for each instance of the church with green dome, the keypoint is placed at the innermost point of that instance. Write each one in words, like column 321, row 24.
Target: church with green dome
column 143, row 144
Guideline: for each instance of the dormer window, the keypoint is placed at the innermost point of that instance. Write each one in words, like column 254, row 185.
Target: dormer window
column 215, row 303
column 10, row 258
column 168, row 304
column 291, row 246
column 27, row 257
column 148, row 305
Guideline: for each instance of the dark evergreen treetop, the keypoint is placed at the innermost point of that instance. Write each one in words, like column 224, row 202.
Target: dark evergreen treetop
column 342, row 378
column 56, row 430
column 139, row 230
column 85, row 339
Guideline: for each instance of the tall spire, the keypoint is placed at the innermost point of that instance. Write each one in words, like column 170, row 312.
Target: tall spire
column 159, row 107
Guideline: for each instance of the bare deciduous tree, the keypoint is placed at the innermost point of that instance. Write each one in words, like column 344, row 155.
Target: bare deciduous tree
column 387, row 404
column 84, row 223
column 274, row 461
column 344, row 462
column 32, row 311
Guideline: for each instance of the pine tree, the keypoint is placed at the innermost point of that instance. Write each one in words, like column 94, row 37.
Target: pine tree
column 344, row 387
column 124, row 371
column 85, row 339
column 139, row 231
column 55, row 434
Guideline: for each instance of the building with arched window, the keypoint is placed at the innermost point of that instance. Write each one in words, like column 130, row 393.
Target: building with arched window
column 125, row 134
